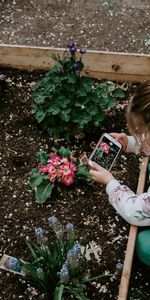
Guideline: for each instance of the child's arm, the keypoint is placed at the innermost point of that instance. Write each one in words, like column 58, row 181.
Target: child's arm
column 129, row 143
column 133, row 146
column 134, row 209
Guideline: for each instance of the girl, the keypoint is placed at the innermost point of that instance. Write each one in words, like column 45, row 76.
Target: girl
column 134, row 209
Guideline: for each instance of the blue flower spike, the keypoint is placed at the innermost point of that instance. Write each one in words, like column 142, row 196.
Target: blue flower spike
column 69, row 227
column 73, row 255
column 56, row 226
column 52, row 220
column 119, row 267
column 13, row 264
column 70, row 231
column 40, row 273
column 41, row 238
column 39, row 232
column 64, row 272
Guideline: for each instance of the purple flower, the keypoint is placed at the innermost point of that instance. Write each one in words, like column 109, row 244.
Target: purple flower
column 76, row 66
column 73, row 50
column 71, row 44
column 82, row 50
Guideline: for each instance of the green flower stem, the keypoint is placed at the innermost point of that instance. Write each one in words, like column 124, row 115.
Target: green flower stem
column 58, row 292
column 97, row 277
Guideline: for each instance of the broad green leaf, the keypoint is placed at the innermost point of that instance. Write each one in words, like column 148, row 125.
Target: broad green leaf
column 81, row 92
column 118, row 93
column 42, row 156
column 40, row 115
column 35, row 180
column 64, row 152
column 43, row 191
column 71, row 79
column 65, row 115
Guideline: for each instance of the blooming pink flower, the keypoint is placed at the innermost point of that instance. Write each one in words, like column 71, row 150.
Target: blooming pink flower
column 60, row 170
column 73, row 167
column 43, row 168
column 51, row 169
column 68, row 179
column 64, row 160
column 104, row 147
column 52, row 178
column 66, row 170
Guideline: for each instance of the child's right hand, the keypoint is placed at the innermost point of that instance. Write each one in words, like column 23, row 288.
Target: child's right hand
column 122, row 138
column 99, row 174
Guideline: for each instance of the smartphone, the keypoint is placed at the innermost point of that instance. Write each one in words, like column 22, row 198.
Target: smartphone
column 106, row 151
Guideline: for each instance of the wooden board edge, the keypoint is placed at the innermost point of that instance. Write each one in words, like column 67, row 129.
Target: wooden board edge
column 131, row 67
column 126, row 273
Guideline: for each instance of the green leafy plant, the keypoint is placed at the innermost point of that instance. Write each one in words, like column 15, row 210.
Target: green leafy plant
column 66, row 103
column 58, row 267
column 58, row 169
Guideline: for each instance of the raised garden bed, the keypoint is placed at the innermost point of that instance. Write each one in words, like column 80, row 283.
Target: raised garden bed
column 86, row 207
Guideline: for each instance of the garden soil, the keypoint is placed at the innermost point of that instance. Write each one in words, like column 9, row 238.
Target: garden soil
column 53, row 23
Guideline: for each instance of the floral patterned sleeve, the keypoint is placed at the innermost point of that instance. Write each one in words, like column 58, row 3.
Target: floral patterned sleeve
column 134, row 209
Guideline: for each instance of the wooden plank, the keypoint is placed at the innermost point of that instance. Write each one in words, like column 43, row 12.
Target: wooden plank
column 126, row 273
column 109, row 65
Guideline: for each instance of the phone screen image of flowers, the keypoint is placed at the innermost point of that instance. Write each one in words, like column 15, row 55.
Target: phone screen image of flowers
column 105, row 153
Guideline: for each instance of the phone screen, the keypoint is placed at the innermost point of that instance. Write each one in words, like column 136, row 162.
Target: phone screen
column 105, row 153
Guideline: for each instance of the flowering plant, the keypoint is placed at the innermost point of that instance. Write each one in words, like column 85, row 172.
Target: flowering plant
column 68, row 104
column 58, row 267
column 59, row 169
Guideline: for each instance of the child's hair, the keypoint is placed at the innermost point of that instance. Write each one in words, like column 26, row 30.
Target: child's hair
column 138, row 114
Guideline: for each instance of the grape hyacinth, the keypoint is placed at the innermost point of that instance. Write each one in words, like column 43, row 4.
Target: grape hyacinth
column 69, row 227
column 119, row 267
column 56, row 226
column 40, row 273
column 70, row 231
column 39, row 233
column 72, row 255
column 13, row 264
column 64, row 272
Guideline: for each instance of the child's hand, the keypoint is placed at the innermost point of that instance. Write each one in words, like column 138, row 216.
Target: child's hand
column 99, row 174
column 121, row 138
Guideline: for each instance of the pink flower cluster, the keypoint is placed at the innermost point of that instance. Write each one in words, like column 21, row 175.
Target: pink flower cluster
column 104, row 147
column 59, row 170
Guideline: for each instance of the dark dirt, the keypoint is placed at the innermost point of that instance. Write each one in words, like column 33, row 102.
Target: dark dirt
column 110, row 25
